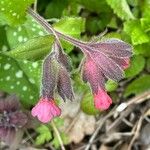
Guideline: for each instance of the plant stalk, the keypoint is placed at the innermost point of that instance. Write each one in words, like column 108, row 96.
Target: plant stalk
column 56, row 33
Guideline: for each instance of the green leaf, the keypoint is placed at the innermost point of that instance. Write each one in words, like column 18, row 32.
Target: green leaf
column 24, row 32
column 3, row 40
column 55, row 8
column 97, row 24
column 33, row 49
column 145, row 8
column 13, row 12
column 87, row 104
column 111, row 85
column 72, row 26
column 44, row 135
column 59, row 121
column 133, row 2
column 145, row 23
column 148, row 64
column 14, row 80
column 121, row 8
column 137, row 34
column 32, row 70
column 55, row 142
column 136, row 66
column 138, row 86
column 142, row 49
column 97, row 6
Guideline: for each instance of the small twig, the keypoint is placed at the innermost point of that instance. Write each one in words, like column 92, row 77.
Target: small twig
column 122, row 115
column 147, row 119
column 58, row 135
column 72, row 123
column 98, row 128
column 127, row 122
column 136, row 132
column 129, row 106
column 29, row 137
column 139, row 98
column 117, row 144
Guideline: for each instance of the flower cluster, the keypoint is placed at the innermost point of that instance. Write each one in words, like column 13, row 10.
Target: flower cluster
column 11, row 119
column 104, row 60
column 55, row 76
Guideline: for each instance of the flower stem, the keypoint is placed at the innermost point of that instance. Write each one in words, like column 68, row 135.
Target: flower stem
column 58, row 135
column 56, row 33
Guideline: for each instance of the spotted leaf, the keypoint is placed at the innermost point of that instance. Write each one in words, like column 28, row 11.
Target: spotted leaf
column 13, row 12
column 24, row 32
column 14, row 80
column 34, row 49
column 32, row 70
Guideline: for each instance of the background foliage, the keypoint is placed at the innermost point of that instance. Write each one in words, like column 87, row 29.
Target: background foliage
column 24, row 43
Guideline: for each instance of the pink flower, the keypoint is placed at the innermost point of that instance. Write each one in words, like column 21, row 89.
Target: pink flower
column 102, row 100
column 45, row 110
column 126, row 64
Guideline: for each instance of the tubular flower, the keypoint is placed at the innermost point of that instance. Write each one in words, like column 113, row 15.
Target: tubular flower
column 46, row 110
column 104, row 60
column 126, row 64
column 55, row 76
column 102, row 100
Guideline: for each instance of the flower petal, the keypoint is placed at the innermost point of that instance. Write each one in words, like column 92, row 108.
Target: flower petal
column 102, row 100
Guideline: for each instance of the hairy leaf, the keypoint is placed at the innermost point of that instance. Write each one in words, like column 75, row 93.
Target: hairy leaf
column 14, row 80
column 45, row 135
column 136, row 66
column 87, row 104
column 13, row 12
column 138, row 86
column 134, row 30
column 33, row 49
column 24, row 32
column 121, row 8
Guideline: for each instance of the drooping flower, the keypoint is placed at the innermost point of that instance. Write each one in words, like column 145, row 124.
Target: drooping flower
column 109, row 57
column 104, row 60
column 102, row 100
column 46, row 110
column 55, row 76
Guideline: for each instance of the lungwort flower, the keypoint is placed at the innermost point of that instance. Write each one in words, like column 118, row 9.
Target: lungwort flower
column 55, row 76
column 104, row 60
column 45, row 110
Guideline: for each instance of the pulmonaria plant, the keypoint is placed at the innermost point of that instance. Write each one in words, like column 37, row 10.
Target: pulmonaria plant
column 12, row 119
column 103, row 60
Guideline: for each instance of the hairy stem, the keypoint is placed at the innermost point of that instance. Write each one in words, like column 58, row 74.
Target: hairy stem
column 56, row 33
